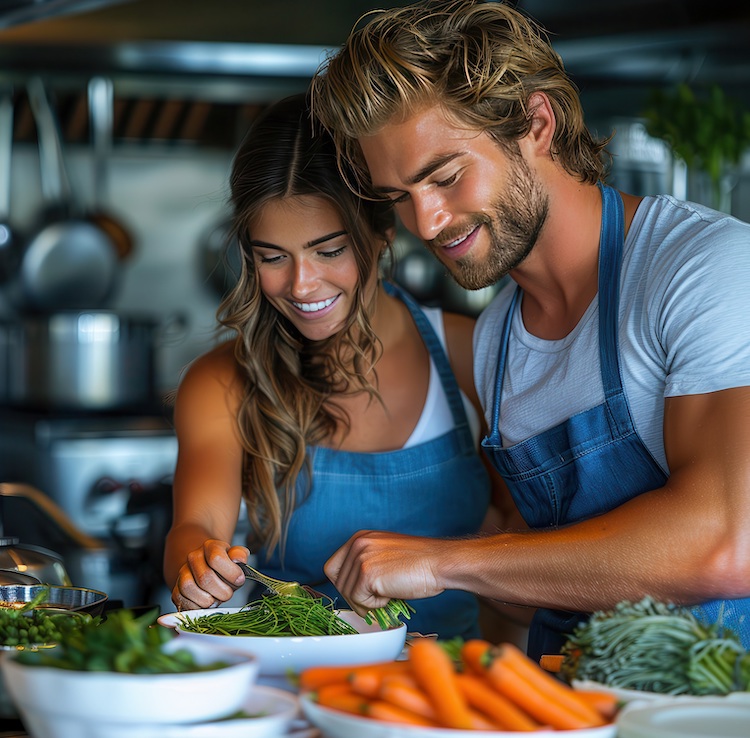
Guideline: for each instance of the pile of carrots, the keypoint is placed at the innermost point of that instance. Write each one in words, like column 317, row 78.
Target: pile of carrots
column 494, row 687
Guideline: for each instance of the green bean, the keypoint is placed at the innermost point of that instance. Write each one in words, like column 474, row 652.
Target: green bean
column 273, row 615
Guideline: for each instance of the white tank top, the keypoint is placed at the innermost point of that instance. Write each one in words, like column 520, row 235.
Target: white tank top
column 436, row 417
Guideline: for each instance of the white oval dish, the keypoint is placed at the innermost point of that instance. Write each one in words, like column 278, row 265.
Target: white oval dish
column 699, row 717
column 336, row 724
column 281, row 655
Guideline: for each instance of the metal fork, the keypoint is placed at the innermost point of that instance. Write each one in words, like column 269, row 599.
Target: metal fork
column 278, row 586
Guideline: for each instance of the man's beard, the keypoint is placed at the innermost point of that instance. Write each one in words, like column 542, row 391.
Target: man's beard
column 514, row 225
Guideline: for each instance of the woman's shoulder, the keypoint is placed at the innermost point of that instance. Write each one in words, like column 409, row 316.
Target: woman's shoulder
column 216, row 367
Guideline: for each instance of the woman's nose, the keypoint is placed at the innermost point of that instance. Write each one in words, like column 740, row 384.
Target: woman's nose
column 304, row 278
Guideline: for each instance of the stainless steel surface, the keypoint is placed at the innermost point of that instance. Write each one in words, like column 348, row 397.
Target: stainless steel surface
column 82, row 360
column 71, row 599
column 16, row 577
column 10, row 238
column 68, row 262
column 614, row 50
column 42, row 564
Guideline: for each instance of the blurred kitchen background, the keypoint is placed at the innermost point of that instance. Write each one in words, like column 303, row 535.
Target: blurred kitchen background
column 122, row 116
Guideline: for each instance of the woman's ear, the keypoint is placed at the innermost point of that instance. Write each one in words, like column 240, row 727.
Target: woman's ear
column 390, row 236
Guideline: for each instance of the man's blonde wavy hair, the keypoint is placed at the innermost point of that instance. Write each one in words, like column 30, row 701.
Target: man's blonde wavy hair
column 480, row 61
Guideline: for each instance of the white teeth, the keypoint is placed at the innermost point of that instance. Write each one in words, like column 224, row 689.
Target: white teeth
column 313, row 307
column 455, row 243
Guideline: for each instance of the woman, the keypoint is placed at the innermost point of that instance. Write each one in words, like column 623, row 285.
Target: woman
column 333, row 407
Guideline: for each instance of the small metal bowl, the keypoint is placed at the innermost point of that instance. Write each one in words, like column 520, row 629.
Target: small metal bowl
column 65, row 599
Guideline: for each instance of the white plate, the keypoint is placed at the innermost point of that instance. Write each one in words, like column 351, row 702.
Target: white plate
column 635, row 695
column 699, row 717
column 282, row 655
column 335, row 724
column 275, row 710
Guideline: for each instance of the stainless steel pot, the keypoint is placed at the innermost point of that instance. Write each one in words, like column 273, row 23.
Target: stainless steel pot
column 92, row 360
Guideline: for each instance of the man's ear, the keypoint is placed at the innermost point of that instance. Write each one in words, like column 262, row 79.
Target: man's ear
column 543, row 122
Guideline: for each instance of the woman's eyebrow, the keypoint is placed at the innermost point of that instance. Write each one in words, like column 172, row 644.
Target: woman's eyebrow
column 309, row 244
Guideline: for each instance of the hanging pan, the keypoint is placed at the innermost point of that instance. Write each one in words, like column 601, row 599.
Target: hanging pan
column 68, row 262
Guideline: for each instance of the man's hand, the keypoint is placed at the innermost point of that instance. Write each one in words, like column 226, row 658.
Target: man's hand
column 373, row 567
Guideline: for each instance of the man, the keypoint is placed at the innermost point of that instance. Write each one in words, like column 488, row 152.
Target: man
column 615, row 369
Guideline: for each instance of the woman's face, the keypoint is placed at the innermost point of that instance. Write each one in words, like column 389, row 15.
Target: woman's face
column 305, row 263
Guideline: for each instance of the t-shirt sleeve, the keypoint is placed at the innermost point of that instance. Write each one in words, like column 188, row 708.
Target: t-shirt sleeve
column 703, row 310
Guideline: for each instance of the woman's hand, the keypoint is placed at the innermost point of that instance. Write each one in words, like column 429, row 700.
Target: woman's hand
column 210, row 576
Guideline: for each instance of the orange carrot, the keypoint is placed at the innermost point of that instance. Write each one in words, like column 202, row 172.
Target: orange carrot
column 402, row 691
column 488, row 701
column 344, row 701
column 518, row 678
column 388, row 712
column 328, row 691
column 366, row 681
column 435, row 674
column 482, row 722
column 604, row 703
column 316, row 676
column 552, row 687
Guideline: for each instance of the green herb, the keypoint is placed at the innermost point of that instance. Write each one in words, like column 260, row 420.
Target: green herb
column 388, row 616
column 274, row 615
column 656, row 647
column 121, row 643
column 703, row 127
column 32, row 626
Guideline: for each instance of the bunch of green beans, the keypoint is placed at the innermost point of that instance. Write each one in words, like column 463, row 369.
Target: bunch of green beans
column 273, row 615
column 656, row 647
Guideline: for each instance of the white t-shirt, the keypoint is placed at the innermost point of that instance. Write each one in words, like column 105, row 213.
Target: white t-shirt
column 684, row 328
column 436, row 417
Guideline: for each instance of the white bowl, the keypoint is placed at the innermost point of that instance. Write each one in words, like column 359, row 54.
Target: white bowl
column 270, row 713
column 280, row 655
column 59, row 703
column 337, row 724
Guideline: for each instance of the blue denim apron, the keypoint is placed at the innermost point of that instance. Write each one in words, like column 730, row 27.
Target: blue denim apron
column 439, row 488
column 592, row 462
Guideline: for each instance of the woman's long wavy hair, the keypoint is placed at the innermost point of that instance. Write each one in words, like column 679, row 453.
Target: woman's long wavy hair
column 290, row 382
column 480, row 61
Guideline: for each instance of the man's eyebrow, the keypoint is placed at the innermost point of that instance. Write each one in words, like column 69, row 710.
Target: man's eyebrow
column 424, row 172
column 309, row 244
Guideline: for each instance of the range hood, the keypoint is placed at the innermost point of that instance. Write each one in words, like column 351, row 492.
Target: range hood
column 249, row 52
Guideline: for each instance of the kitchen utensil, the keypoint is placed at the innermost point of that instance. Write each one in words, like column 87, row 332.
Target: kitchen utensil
column 11, row 242
column 69, row 599
column 101, row 107
column 277, row 586
column 68, row 263
column 93, row 359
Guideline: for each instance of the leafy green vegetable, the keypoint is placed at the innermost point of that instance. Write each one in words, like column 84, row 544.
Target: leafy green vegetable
column 656, row 647
column 273, row 615
column 121, row 643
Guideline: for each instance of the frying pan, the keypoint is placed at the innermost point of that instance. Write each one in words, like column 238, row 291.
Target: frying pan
column 101, row 106
column 68, row 262
column 11, row 243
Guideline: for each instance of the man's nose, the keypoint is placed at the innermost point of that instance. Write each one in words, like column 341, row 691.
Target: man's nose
column 430, row 216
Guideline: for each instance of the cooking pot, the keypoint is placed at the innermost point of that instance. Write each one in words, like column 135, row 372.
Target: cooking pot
column 91, row 360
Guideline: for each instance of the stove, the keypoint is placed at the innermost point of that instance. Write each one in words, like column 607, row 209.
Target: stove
column 111, row 475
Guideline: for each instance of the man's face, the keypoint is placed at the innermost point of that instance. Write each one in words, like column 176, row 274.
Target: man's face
column 476, row 206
